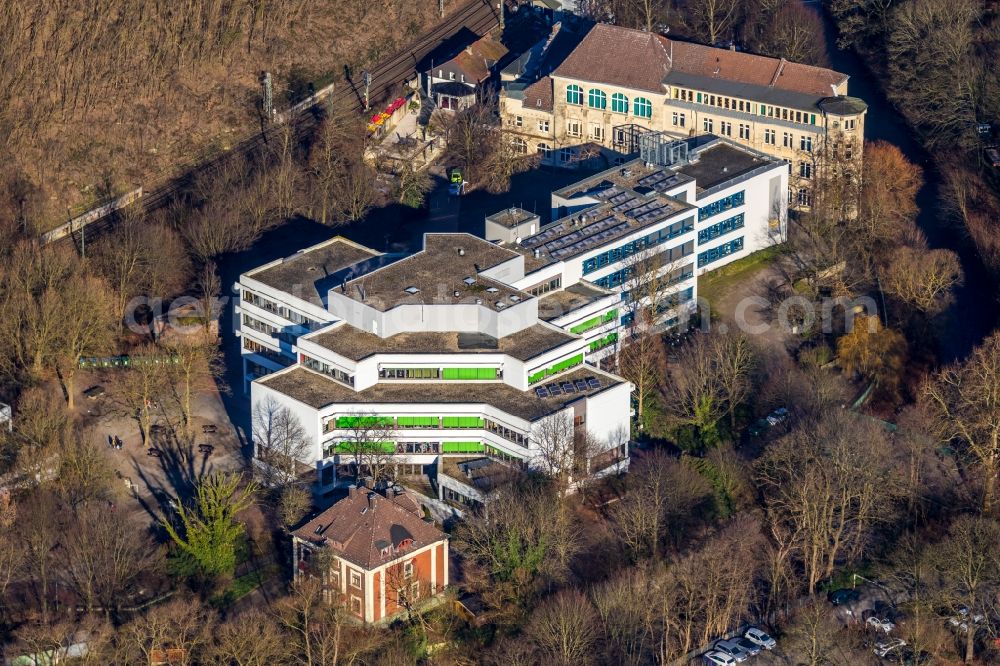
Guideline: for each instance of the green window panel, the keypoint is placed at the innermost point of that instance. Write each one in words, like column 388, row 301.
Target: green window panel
column 595, row 321
column 462, row 447
column 558, row 367
column 417, row 421
column 462, row 422
column 601, row 343
column 354, row 447
column 586, row 325
column 365, row 422
column 469, row 373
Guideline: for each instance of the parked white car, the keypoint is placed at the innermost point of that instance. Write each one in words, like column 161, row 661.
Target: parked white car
column 883, row 648
column 880, row 623
column 733, row 649
column 716, row 658
column 760, row 637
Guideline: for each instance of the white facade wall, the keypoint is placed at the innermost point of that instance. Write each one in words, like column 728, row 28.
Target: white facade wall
column 764, row 212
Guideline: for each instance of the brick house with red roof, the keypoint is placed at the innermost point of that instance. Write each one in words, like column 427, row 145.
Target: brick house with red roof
column 381, row 557
column 455, row 83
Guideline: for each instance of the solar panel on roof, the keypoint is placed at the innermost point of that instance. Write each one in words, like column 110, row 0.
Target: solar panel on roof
column 541, row 392
column 568, row 387
column 554, row 389
column 593, row 382
column 581, row 385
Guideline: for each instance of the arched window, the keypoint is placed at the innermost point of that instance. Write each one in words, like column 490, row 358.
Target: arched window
column 519, row 145
column 596, row 99
column 574, row 94
column 619, row 103
column 642, row 107
column 544, row 150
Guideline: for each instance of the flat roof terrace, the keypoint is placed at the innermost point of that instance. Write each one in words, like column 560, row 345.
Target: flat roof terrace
column 526, row 344
column 557, row 303
column 717, row 164
column 511, row 217
column 445, row 271
column 310, row 273
column 318, row 391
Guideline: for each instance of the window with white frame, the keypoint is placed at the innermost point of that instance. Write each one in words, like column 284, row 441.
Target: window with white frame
column 770, row 137
column 356, row 605
column 805, row 169
column 356, row 579
column 518, row 121
column 744, row 131
column 543, row 125
column 544, row 150
column 573, row 128
column 565, row 154
column 707, row 125
column 726, row 128
column 408, row 569
column 679, row 119
column 519, row 145
column 786, row 140
column 804, row 197
column 806, row 143
column 597, row 131
column 849, row 124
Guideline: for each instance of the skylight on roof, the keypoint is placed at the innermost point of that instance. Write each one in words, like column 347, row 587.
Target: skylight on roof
column 411, row 290
column 469, row 281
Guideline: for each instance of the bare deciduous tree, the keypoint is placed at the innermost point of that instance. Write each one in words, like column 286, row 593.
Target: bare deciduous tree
column 564, row 629
column 144, row 383
column 643, row 361
column 280, row 442
column 822, row 488
column 104, row 557
column 923, row 279
column 965, row 400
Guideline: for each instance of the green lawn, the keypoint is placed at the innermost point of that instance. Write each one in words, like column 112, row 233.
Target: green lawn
column 712, row 285
column 244, row 585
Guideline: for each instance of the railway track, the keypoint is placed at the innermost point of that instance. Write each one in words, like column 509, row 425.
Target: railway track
column 477, row 16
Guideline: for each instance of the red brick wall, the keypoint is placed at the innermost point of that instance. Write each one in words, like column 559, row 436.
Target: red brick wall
column 376, row 594
column 394, row 577
column 442, row 555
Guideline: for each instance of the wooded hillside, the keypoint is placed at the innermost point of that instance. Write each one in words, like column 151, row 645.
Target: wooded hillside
column 109, row 94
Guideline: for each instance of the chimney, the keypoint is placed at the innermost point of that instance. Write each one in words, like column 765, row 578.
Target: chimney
column 352, row 490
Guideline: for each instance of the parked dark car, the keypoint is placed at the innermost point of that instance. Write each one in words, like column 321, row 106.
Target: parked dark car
column 843, row 597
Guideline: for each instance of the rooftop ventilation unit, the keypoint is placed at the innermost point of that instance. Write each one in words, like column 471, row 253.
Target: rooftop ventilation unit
column 469, row 281
column 515, row 298
column 492, row 290
column 412, row 290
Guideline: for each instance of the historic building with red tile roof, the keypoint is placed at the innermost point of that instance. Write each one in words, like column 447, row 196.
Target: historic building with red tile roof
column 374, row 553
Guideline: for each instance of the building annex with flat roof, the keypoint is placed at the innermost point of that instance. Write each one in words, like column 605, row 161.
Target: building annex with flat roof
column 447, row 353
column 682, row 208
